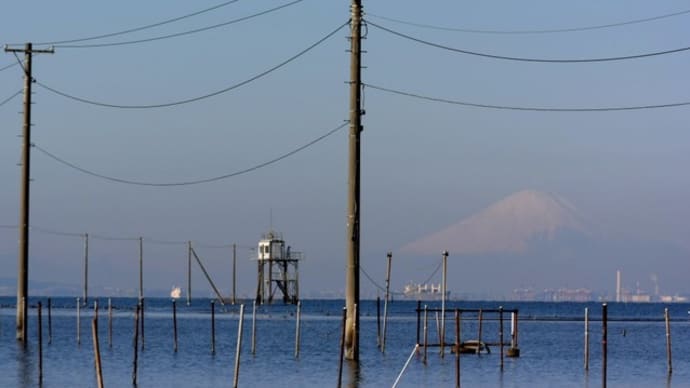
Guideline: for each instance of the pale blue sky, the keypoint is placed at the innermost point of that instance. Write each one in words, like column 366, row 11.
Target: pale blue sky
column 425, row 165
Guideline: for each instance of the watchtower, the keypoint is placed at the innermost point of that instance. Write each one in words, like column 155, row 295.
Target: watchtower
column 282, row 272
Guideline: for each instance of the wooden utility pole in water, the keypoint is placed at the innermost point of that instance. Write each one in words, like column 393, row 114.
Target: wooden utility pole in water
column 23, row 253
column 234, row 273
column 353, row 206
column 86, row 268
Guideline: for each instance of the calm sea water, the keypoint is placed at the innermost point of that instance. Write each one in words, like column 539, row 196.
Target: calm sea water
column 551, row 340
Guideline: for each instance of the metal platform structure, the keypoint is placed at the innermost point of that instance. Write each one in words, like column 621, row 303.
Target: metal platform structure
column 278, row 270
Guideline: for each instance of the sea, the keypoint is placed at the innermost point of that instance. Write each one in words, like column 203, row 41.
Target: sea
column 551, row 339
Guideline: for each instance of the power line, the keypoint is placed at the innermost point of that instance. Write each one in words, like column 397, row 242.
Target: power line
column 113, row 238
column 535, row 31
column 8, row 99
column 183, row 33
column 521, row 59
column 194, row 99
column 523, row 108
column 361, row 268
column 13, row 64
column 158, row 24
column 191, row 182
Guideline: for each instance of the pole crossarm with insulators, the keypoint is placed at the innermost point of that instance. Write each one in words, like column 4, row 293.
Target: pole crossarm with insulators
column 23, row 252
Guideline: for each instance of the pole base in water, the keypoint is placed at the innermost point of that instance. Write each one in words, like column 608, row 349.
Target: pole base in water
column 513, row 352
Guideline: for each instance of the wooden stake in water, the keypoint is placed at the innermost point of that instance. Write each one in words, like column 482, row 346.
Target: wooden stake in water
column 426, row 332
column 95, row 309
column 50, row 322
column 297, row 328
column 457, row 348
column 389, row 256
column 586, row 338
column 78, row 322
column 40, row 346
column 136, row 346
column 443, row 302
column 110, row 323
column 174, row 305
column 97, row 352
column 213, row 327
column 479, row 334
column 239, row 347
column 342, row 348
column 668, row 340
column 604, row 328
column 378, row 321
column 253, row 327
column 141, row 320
column 500, row 332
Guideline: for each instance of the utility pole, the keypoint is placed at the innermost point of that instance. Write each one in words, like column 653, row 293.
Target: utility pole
column 141, row 269
column 23, row 257
column 234, row 273
column 86, row 268
column 189, row 273
column 353, row 205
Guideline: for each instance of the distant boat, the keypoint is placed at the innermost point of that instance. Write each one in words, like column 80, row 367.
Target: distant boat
column 176, row 292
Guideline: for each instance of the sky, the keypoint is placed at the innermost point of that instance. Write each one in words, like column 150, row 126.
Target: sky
column 425, row 165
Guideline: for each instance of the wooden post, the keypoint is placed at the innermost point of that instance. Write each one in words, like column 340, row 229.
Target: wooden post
column 254, row 327
column 97, row 352
column 389, row 256
column 141, row 321
column 426, row 332
column 479, row 334
column 50, row 322
column 500, row 332
column 514, row 350
column 40, row 346
column 189, row 273
column 78, row 322
column 419, row 312
column 438, row 329
column 95, row 309
column 213, row 327
column 234, row 273
column 457, row 348
column 239, row 347
column 668, row 340
column 342, row 348
column 378, row 321
column 136, row 345
column 297, row 328
column 174, row 307
column 604, row 324
column 443, row 302
column 110, row 323
column 586, row 338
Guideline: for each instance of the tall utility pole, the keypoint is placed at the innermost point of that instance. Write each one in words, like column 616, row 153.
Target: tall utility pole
column 86, row 268
column 353, row 205
column 23, row 257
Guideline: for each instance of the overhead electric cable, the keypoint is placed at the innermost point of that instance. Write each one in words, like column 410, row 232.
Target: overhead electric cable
column 183, row 33
column 521, row 59
column 380, row 287
column 535, row 31
column 523, row 108
column 8, row 99
column 194, row 99
column 136, row 29
column 190, row 182
column 55, row 232
column 13, row 64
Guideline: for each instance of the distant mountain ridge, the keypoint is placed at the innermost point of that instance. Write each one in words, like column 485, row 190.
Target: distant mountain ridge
column 507, row 226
